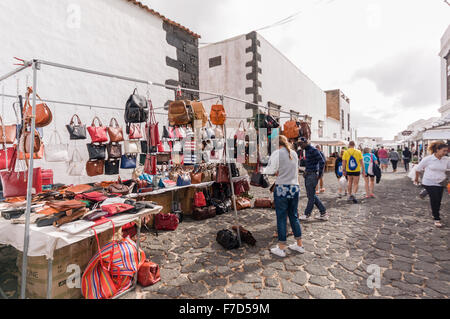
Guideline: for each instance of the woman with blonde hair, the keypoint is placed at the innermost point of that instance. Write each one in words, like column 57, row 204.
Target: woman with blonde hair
column 284, row 163
column 435, row 168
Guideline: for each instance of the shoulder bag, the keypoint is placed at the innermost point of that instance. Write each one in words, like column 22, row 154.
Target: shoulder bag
column 112, row 167
column 115, row 132
column 98, row 133
column 152, row 130
column 7, row 133
column 178, row 113
column 132, row 147
column 135, row 131
column 76, row 164
column 43, row 113
column 76, row 131
column 218, row 115
column 128, row 162
column 55, row 152
column 95, row 168
column 96, row 152
column 200, row 115
column 114, row 150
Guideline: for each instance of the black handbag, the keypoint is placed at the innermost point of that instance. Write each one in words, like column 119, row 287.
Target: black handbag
column 144, row 147
column 259, row 180
column 136, row 110
column 114, row 150
column 165, row 133
column 142, row 158
column 76, row 131
column 96, row 152
column 227, row 239
column 234, row 170
column 112, row 167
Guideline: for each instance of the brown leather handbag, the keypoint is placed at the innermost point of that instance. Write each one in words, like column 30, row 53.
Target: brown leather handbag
column 44, row 115
column 204, row 213
column 243, row 203
column 200, row 114
column 37, row 142
column 196, row 178
column 7, row 133
column 222, row 174
column 119, row 189
column 95, row 168
column 218, row 115
column 291, row 129
column 178, row 113
column 115, row 132
column 263, row 203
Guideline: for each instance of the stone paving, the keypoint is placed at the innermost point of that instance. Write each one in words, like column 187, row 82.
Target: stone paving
column 394, row 231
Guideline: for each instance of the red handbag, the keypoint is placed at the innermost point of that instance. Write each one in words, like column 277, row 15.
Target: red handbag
column 6, row 156
column 199, row 199
column 166, row 222
column 93, row 197
column 135, row 131
column 149, row 274
column 118, row 208
column 150, row 165
column 152, row 128
column 98, row 133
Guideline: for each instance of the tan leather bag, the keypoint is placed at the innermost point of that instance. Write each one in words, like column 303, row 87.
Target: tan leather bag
column 291, row 130
column 218, row 115
column 178, row 113
column 200, row 114
column 44, row 115
column 7, row 133
column 196, row 178
column 78, row 189
column 243, row 203
column 95, row 168
column 37, row 142
column 263, row 203
column 115, row 132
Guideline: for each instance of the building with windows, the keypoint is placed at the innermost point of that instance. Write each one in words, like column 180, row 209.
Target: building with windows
column 339, row 124
column 445, row 73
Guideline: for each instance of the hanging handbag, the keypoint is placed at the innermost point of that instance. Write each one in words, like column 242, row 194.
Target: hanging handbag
column 184, row 180
column 6, row 157
column 24, row 146
column 55, row 152
column 218, row 115
column 135, row 132
column 98, row 133
column 200, row 115
column 168, row 222
column 76, row 165
column 132, row 147
column 149, row 274
column 291, row 129
column 196, row 178
column 305, row 130
column 166, row 134
column 178, row 113
column 152, row 130
column 199, row 199
column 112, row 167
column 222, row 174
column 96, row 152
column 7, row 133
column 163, row 158
column 95, row 168
column 259, row 180
column 76, row 131
column 144, row 147
column 136, row 110
column 150, row 166
column 128, row 162
column 115, row 132
column 114, row 150
column 43, row 113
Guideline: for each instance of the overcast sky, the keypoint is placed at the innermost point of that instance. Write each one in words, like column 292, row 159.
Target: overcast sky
column 382, row 54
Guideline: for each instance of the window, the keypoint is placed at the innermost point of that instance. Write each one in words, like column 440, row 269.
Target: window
column 213, row 62
column 348, row 115
column 343, row 119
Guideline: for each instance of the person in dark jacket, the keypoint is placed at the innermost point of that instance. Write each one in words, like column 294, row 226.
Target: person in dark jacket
column 407, row 156
column 315, row 165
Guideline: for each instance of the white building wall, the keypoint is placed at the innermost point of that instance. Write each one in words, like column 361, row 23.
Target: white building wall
column 445, row 49
column 346, row 133
column 229, row 78
column 113, row 36
column 284, row 84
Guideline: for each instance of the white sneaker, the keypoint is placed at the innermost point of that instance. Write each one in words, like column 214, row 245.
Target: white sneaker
column 277, row 251
column 305, row 217
column 297, row 248
column 323, row 217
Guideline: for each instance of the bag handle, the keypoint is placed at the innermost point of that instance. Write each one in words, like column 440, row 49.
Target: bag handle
column 55, row 134
column 152, row 116
column 3, row 137
column 114, row 120
column 98, row 223
column 75, row 151
column 99, row 122
column 72, row 122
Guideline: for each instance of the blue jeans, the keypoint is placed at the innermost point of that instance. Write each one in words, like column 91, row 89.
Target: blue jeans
column 310, row 184
column 287, row 208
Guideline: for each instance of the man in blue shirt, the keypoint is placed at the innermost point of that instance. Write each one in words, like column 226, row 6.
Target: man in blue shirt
column 315, row 165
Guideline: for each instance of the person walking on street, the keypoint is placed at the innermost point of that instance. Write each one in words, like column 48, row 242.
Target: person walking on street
column 353, row 165
column 384, row 158
column 284, row 162
column 394, row 158
column 320, row 184
column 369, row 177
column 435, row 170
column 339, row 171
column 314, row 170
column 407, row 156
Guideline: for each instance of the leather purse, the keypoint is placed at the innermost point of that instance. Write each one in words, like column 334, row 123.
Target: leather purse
column 128, row 162
column 115, row 132
column 144, row 147
column 95, row 168
column 26, row 142
column 196, row 178
column 163, row 158
column 184, row 180
column 76, row 131
column 243, row 203
column 15, row 183
column 178, row 113
column 218, row 115
column 204, row 213
column 77, row 189
column 96, row 152
column 150, row 165
column 259, row 180
column 199, row 199
column 8, row 133
column 96, row 215
column 98, row 133
column 166, row 183
column 66, row 205
column 119, row 208
column 114, row 150
column 135, row 131
column 166, row 222
column 136, row 109
column 132, row 147
column 43, row 113
column 263, row 203
column 152, row 130
column 149, row 274
column 6, row 157
column 222, row 174
column 291, row 130
column 96, row 197
column 112, row 167
column 119, row 188
column 241, row 187
column 200, row 115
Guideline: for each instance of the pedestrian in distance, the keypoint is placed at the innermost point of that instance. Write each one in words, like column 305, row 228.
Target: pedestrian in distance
column 369, row 177
column 315, row 165
column 435, row 168
column 284, row 163
column 407, row 156
column 339, row 172
column 394, row 158
column 320, row 184
column 383, row 156
column 353, row 166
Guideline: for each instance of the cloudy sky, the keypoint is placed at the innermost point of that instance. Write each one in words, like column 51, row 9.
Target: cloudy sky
column 383, row 54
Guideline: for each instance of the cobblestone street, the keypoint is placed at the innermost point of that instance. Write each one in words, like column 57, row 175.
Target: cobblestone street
column 394, row 231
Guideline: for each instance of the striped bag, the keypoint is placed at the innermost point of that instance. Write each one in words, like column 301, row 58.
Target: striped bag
column 111, row 271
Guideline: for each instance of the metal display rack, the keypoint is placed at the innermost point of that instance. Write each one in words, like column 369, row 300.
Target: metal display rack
column 35, row 64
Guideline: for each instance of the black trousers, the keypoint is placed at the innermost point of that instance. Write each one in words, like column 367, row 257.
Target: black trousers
column 406, row 162
column 436, row 193
column 394, row 165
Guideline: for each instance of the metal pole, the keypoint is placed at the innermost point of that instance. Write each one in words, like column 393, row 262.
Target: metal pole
column 29, row 187
column 49, row 278
column 10, row 74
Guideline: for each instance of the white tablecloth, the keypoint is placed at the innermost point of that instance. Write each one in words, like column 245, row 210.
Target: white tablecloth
column 165, row 190
column 45, row 240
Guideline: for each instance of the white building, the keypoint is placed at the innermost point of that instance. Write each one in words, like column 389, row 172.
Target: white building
column 338, row 116
column 252, row 69
column 121, row 37
column 445, row 74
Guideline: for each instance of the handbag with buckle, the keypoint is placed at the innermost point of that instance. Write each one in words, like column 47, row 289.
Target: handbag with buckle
column 112, row 167
column 76, row 131
column 128, row 162
column 96, row 152
column 95, row 168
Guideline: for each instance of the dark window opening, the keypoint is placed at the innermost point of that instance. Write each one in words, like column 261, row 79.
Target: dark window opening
column 213, row 62
column 343, row 119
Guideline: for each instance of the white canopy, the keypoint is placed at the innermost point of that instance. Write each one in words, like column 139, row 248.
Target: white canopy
column 330, row 142
column 437, row 134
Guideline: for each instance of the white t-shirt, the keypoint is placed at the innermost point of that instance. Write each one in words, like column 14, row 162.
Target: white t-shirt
column 435, row 170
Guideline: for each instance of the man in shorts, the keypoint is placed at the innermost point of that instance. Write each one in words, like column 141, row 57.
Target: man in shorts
column 352, row 163
column 383, row 155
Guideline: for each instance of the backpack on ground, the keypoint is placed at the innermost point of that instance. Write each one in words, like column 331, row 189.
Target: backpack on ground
column 227, row 239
